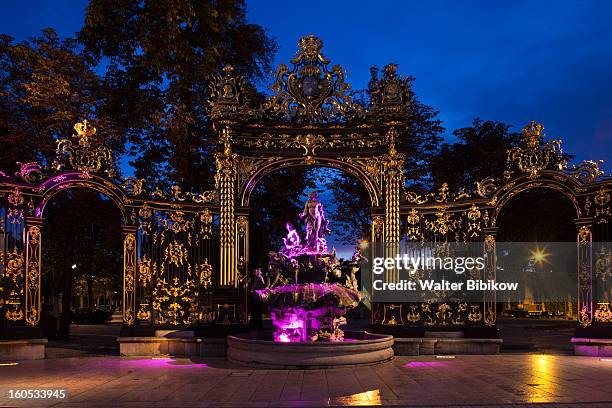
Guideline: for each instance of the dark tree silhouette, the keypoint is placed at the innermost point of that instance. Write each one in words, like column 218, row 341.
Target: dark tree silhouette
column 160, row 56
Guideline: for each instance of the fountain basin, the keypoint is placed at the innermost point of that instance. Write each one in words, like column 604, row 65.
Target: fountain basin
column 358, row 348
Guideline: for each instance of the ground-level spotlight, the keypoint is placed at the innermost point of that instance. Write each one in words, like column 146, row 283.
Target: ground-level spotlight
column 8, row 364
column 443, row 356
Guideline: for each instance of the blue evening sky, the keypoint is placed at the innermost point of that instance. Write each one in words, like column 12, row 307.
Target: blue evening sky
column 509, row 61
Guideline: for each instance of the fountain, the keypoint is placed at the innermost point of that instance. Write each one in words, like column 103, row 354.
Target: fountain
column 309, row 291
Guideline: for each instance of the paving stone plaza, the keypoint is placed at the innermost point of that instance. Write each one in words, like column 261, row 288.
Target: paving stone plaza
column 507, row 380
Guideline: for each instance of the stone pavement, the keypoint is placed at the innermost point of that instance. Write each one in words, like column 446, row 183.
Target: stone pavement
column 514, row 380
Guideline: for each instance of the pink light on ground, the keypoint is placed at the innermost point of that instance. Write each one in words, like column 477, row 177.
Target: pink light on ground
column 425, row 364
column 165, row 362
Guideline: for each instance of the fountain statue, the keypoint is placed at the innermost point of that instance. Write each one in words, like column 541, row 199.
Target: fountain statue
column 309, row 290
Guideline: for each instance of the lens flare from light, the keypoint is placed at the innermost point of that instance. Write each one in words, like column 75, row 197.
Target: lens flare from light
column 539, row 255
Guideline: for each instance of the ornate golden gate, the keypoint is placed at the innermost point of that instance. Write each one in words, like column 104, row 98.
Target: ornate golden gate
column 168, row 239
column 471, row 216
column 309, row 120
column 186, row 255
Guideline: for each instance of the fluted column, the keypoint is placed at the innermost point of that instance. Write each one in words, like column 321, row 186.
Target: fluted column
column 225, row 182
column 393, row 177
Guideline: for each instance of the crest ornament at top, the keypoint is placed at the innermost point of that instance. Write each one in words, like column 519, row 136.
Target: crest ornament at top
column 534, row 154
column 84, row 132
column 390, row 94
column 227, row 95
column 85, row 155
column 310, row 92
column 310, row 49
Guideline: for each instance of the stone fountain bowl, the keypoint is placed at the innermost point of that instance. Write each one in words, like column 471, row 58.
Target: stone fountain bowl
column 357, row 349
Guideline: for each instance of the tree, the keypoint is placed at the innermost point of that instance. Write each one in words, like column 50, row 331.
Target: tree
column 418, row 141
column 45, row 88
column 350, row 213
column 276, row 200
column 82, row 228
column 160, row 55
column 479, row 153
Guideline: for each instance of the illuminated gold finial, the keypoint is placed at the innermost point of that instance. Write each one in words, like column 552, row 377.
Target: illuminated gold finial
column 310, row 47
column 84, row 132
column 228, row 69
column 390, row 70
column 533, row 133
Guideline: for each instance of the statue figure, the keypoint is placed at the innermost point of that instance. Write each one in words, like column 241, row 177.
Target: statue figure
column 293, row 238
column 353, row 267
column 316, row 224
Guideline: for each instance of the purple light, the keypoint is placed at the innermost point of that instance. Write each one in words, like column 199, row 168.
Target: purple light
column 164, row 362
column 306, row 292
column 424, row 364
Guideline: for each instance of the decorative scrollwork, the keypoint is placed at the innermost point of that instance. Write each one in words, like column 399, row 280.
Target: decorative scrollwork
column 204, row 272
column 30, row 172
column 485, row 188
column 15, row 199
column 309, row 143
column 84, row 156
column 228, row 98
column 603, row 264
column 474, row 227
column 309, row 91
column 603, row 313
column 389, row 95
column 443, row 195
column 175, row 254
column 242, row 225
column 584, row 317
column 475, row 315
column 413, row 231
column 206, row 220
column 586, row 171
column 443, row 223
column 173, row 301
column 584, row 234
column 602, row 206
column 534, row 155
column 133, row 186
column 145, row 271
column 378, row 224
column 14, row 265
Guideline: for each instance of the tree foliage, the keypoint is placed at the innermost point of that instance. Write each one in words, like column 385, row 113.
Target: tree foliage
column 45, row 88
column 418, row 141
column 479, row 153
column 82, row 228
column 160, row 55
